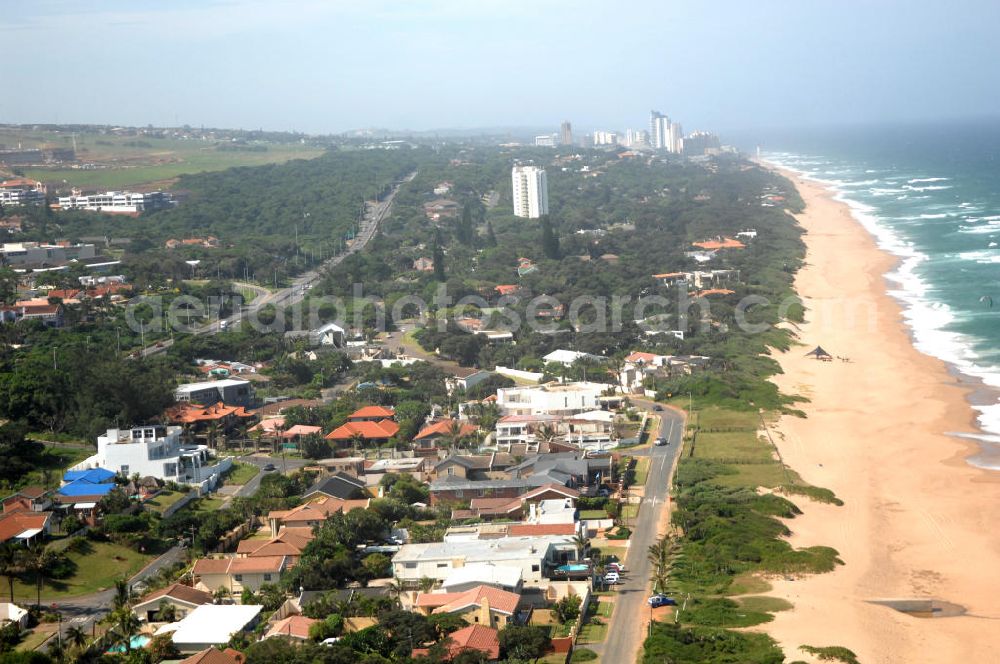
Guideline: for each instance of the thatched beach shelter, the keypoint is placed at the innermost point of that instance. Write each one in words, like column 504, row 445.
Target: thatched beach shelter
column 819, row 353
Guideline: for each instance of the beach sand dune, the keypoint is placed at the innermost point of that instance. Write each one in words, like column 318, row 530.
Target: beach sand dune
column 918, row 521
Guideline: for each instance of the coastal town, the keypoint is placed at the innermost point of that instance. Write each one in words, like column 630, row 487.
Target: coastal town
column 499, row 333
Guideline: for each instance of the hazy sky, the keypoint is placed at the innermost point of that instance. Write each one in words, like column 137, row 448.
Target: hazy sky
column 333, row 65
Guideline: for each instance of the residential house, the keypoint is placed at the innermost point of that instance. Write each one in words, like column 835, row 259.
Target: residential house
column 370, row 433
column 238, row 574
column 23, row 526
column 423, row 264
column 489, row 466
column 183, row 599
column 199, row 417
column 441, row 430
column 31, row 498
column 289, row 542
column 12, row 613
column 215, row 656
column 211, row 625
column 230, row 391
column 570, row 469
column 457, row 490
column 40, row 309
column 419, row 468
column 584, row 429
column 338, row 485
column 519, row 506
column 295, row 628
column 534, row 556
column 482, row 605
column 313, row 513
column 464, row 379
column 551, row 398
column 476, row 638
column 156, row 451
column 568, row 357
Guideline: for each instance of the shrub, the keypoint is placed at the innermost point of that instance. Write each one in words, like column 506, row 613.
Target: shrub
column 583, row 655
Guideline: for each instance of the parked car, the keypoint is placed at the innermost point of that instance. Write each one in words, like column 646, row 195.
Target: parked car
column 603, row 492
column 661, row 600
column 658, row 408
column 612, row 578
column 268, row 467
column 617, row 568
column 660, row 442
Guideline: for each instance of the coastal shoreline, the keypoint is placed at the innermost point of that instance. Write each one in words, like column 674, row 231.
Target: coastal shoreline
column 918, row 519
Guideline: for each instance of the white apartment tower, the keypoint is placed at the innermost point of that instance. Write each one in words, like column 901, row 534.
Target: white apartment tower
column 675, row 144
column 659, row 130
column 531, row 192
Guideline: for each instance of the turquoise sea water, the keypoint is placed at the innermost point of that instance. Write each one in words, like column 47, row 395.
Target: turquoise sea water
column 931, row 196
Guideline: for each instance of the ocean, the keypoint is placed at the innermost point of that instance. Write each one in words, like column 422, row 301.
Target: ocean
column 931, row 196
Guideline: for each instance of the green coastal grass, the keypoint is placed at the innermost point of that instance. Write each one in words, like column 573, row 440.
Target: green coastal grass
column 95, row 570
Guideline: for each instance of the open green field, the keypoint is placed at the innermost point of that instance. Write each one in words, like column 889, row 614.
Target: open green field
column 591, row 633
column 733, row 438
column 132, row 161
column 96, row 570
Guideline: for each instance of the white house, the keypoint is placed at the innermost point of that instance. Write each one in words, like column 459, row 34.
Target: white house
column 156, row 451
column 534, row 556
column 465, row 578
column 211, row 625
column 552, row 511
column 13, row 613
column 330, row 334
column 551, row 398
column 230, row 391
column 568, row 357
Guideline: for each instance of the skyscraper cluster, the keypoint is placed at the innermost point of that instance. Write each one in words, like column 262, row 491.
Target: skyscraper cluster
column 664, row 134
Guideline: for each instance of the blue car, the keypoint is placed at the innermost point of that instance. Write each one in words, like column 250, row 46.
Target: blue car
column 661, row 600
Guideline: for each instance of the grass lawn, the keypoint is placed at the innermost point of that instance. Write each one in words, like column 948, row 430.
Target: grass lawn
column 642, row 470
column 209, row 504
column 164, row 499
column 630, row 511
column 33, row 640
column 744, row 584
column 95, row 571
column 593, row 514
column 619, row 551
column 754, row 475
column 241, row 473
column 48, row 472
column 554, row 658
column 591, row 633
column 604, row 609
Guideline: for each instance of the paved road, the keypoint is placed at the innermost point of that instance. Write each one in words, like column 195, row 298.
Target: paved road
column 86, row 610
column 625, row 632
column 289, row 465
column 285, row 297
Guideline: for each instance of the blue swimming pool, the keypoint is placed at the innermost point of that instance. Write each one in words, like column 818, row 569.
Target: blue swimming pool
column 135, row 643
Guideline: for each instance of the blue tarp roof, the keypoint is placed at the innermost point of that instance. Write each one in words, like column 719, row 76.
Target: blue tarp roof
column 85, row 488
column 94, row 475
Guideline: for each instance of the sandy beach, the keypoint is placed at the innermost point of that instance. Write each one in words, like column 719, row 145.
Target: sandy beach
column 918, row 521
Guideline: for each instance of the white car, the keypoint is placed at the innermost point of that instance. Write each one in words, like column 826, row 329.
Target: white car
column 612, row 578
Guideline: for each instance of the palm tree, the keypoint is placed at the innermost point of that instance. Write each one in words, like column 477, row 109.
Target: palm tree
column 124, row 624
column 546, row 433
column 660, row 554
column 221, row 593
column 10, row 565
column 38, row 561
column 427, row 584
column 123, row 594
column 75, row 636
column 582, row 543
column 357, row 442
column 212, row 433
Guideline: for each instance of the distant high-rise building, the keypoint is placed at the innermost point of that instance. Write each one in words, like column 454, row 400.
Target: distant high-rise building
column 605, row 138
column 659, row 130
column 566, row 133
column 675, row 138
column 531, row 192
column 636, row 137
column 545, row 141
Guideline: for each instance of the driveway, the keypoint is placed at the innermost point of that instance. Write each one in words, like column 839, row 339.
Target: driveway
column 626, row 629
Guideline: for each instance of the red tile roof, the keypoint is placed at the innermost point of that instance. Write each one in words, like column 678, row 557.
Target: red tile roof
column 215, row 656
column 507, row 289
column 189, row 413
column 371, row 411
column 475, row 637
column 367, row 430
column 648, row 358
column 444, row 428
column 502, row 601
column 292, row 626
column 15, row 522
column 724, row 243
